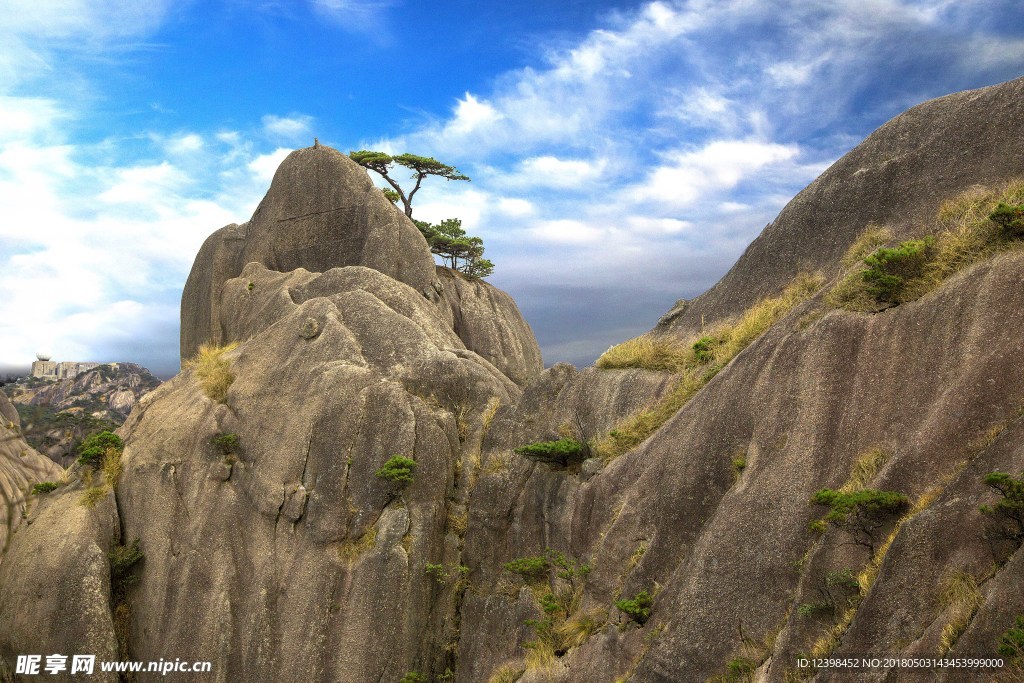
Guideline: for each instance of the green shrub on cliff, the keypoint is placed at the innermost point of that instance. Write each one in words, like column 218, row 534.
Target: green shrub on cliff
column 860, row 513
column 639, row 608
column 398, row 470
column 94, row 448
column 561, row 452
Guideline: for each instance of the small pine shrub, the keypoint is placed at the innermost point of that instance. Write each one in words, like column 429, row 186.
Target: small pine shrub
column 398, row 470
column 413, row 677
column 44, row 487
column 639, row 608
column 889, row 270
column 561, row 452
column 94, row 448
column 227, row 444
column 860, row 513
column 1011, row 643
column 530, row 567
column 1010, row 220
column 1005, row 530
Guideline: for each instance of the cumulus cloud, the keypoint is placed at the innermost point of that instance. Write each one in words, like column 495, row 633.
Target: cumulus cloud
column 291, row 127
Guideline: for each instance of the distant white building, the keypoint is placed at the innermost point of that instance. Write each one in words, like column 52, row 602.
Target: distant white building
column 45, row 368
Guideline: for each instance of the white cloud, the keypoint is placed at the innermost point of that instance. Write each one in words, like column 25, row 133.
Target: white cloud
column 361, row 15
column 688, row 176
column 264, row 166
column 290, row 127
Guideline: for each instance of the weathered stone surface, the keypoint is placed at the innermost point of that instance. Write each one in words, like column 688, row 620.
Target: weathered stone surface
column 20, row 467
column 321, row 212
column 55, row 584
column 489, row 323
column 301, row 564
column 896, row 177
column 926, row 381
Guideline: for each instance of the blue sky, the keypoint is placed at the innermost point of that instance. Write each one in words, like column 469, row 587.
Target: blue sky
column 622, row 153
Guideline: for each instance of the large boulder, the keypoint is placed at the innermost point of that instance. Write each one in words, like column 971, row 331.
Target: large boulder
column 321, row 212
column 896, row 177
column 285, row 557
column 489, row 323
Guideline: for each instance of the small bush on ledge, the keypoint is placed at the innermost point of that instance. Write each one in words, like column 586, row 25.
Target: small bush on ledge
column 530, row 567
column 562, row 452
column 94, row 448
column 639, row 608
column 860, row 513
column 227, row 444
column 44, row 487
column 398, row 470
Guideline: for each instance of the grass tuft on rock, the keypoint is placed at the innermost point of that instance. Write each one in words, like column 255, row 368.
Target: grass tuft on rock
column 703, row 358
column 213, row 370
column 647, row 353
column 967, row 228
column 962, row 598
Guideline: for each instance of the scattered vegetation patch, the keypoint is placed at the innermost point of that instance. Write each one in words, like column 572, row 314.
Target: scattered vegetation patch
column 92, row 495
column 739, row 463
column 1005, row 529
column 508, row 673
column 860, row 513
column 213, row 370
column 638, row 608
column 227, row 444
column 648, row 353
column 962, row 598
column 44, row 487
column 561, row 453
column 124, row 560
column 531, row 567
column 701, row 361
column 1011, row 643
column 398, row 470
column 873, row 237
column 350, row 550
column 413, row 677
column 436, row 571
column 968, row 228
column 95, row 447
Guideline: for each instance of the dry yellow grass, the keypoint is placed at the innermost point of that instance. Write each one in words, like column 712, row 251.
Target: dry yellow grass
column 350, row 550
column 575, row 630
column 508, row 673
column 93, row 495
column 873, row 237
column 964, row 235
column 213, row 370
column 865, row 469
column 111, row 467
column 649, row 353
column 722, row 343
column 962, row 597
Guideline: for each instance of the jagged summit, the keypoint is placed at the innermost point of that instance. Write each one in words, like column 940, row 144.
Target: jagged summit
column 323, row 212
column 896, row 177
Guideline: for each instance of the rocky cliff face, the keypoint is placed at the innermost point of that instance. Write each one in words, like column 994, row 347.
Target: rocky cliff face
column 896, row 177
column 20, row 467
column 276, row 547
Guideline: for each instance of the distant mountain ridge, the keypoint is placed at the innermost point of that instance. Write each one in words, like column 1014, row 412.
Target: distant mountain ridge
column 57, row 413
